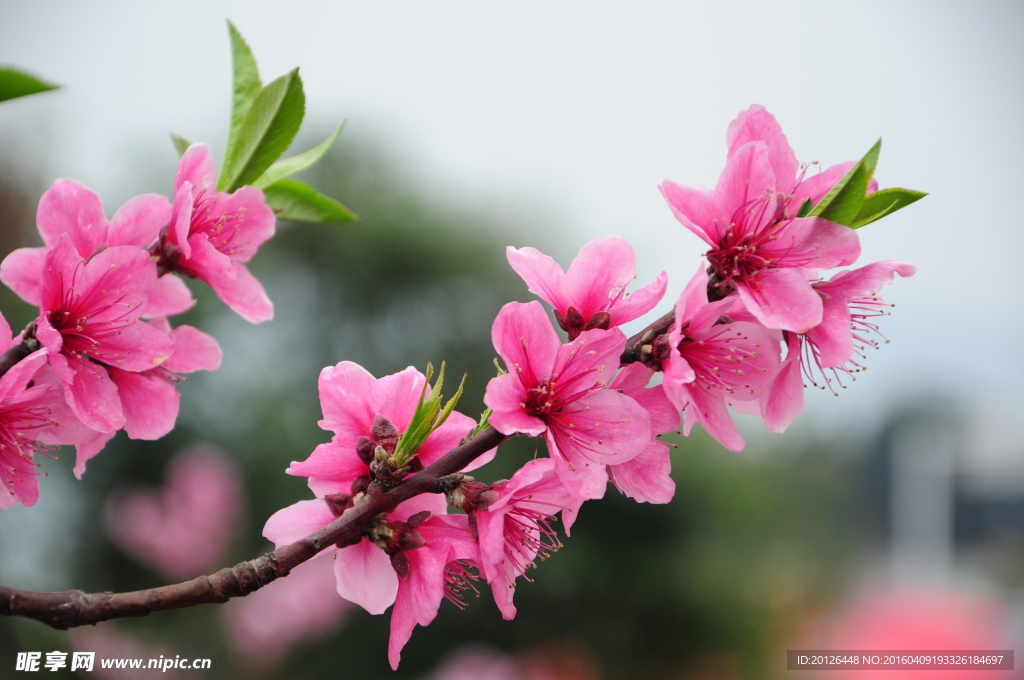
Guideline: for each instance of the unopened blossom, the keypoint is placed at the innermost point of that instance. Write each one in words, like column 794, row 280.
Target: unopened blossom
column 69, row 208
column 364, row 412
column 213, row 234
column 560, row 391
column 759, row 247
column 90, row 316
column 711, row 361
column 512, row 521
column 646, row 478
column 834, row 347
column 182, row 529
column 592, row 294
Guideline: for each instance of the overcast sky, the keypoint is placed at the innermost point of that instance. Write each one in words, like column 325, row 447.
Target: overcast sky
column 582, row 108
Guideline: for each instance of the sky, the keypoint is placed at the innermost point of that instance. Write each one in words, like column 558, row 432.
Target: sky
column 568, row 115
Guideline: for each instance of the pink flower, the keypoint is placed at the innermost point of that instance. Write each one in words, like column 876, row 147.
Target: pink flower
column 90, row 317
column 759, row 248
column 69, row 208
column 511, row 521
column 412, row 558
column 559, row 391
column 264, row 626
column 212, row 235
column 363, row 412
column 24, row 413
column 592, row 294
column 712, row 360
column 182, row 529
column 851, row 303
column 646, row 477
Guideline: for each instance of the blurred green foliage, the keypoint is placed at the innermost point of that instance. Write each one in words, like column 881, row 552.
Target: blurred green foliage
column 708, row 586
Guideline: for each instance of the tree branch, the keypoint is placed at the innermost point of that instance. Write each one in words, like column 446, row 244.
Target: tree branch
column 73, row 608
column 638, row 346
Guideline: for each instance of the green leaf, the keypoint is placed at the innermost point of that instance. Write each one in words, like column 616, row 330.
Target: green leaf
column 180, row 144
column 266, row 131
column 805, row 208
column 245, row 85
column 885, row 202
column 299, row 202
column 289, row 166
column 15, row 83
column 844, row 201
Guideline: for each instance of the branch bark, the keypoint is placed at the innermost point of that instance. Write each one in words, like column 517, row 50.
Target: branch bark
column 73, row 608
column 638, row 347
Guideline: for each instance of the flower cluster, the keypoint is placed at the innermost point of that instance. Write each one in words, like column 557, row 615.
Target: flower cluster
column 590, row 396
column 103, row 355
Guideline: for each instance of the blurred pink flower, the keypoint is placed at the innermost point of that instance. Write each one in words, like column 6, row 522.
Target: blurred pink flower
column 182, row 529
column 110, row 642
column 265, row 625
column 916, row 620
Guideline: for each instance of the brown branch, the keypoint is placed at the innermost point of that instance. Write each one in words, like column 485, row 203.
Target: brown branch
column 72, row 608
column 638, row 347
column 16, row 353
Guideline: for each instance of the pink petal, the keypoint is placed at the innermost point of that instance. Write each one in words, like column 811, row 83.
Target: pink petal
column 196, row 167
column 866, row 280
column 541, row 273
column 782, row 298
column 252, row 218
column 169, row 296
column 17, row 377
column 639, row 302
column 585, row 481
column 297, row 521
column 604, row 427
column 526, row 341
column 832, row 336
column 395, row 397
column 746, row 181
column 365, row 576
column 646, row 479
column 240, row 291
column 434, row 503
column 343, row 392
column 139, row 221
column 603, row 265
column 594, row 354
column 87, row 447
column 181, row 219
column 708, row 408
column 69, row 208
column 505, row 396
column 447, row 437
column 786, row 398
column 194, row 350
column 150, row 403
column 757, row 125
column 813, row 243
column 695, row 207
column 93, row 397
column 136, row 347
column 334, row 462
column 22, row 272
column 817, row 185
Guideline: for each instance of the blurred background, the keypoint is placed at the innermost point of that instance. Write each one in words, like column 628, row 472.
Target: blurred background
column 891, row 517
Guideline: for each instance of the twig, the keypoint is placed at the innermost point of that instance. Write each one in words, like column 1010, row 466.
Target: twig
column 73, row 608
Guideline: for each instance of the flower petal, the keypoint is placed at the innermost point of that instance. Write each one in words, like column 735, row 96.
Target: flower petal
column 365, row 576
